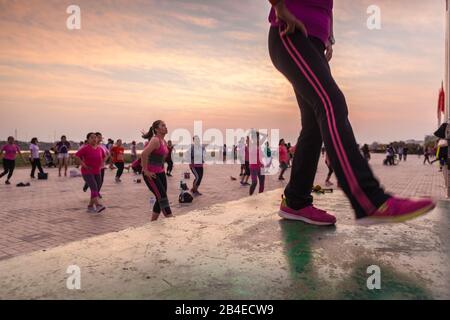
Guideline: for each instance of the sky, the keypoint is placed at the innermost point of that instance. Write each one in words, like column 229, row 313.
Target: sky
column 137, row 61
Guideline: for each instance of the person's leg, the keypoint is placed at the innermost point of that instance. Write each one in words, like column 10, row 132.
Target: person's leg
column 66, row 163
column 242, row 173
column 169, row 167
column 283, row 167
column 194, row 183
column 247, row 172
column 158, row 187
column 7, row 165
column 165, row 206
column 33, row 167
column 306, row 159
column 151, row 186
column 120, row 166
column 92, row 183
column 262, row 180
column 60, row 164
column 5, row 168
column 98, row 181
column 302, row 61
column 12, row 166
column 200, row 176
column 330, row 172
column 102, row 176
column 254, row 175
column 39, row 166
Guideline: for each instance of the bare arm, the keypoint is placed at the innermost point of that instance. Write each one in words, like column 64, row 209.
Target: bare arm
column 330, row 42
column 21, row 156
column 283, row 14
column 81, row 162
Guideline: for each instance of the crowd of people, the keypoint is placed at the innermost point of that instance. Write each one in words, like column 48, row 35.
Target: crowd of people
column 94, row 157
column 300, row 44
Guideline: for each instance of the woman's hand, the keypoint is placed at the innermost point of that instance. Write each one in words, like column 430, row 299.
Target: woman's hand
column 292, row 23
column 84, row 165
column 149, row 174
column 329, row 52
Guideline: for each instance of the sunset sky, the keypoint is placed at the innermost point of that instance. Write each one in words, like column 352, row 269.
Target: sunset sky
column 134, row 62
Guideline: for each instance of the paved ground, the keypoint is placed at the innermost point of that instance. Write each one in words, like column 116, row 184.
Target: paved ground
column 219, row 247
column 52, row 213
column 242, row 250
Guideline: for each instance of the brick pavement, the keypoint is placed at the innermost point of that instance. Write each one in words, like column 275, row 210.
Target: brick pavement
column 52, row 213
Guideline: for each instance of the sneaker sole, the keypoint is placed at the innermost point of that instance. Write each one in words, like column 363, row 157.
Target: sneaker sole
column 400, row 219
column 288, row 216
column 101, row 209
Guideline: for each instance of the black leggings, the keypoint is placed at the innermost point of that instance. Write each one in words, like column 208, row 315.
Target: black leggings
column 324, row 117
column 36, row 163
column 330, row 172
column 169, row 166
column 198, row 175
column 120, row 166
column 158, row 187
column 8, row 166
column 257, row 175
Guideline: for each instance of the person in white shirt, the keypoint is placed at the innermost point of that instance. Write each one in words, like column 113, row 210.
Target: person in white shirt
column 35, row 158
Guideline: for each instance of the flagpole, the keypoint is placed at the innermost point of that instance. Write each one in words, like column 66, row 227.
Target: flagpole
column 447, row 88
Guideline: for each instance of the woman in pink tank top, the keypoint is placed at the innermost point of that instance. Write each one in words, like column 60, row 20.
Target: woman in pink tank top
column 153, row 158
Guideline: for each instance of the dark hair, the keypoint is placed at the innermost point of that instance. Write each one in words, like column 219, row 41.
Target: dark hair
column 279, row 143
column 98, row 134
column 34, row 140
column 63, row 137
column 152, row 131
column 89, row 134
column 10, row 137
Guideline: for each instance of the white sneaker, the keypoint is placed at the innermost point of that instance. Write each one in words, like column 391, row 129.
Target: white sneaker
column 91, row 210
column 100, row 208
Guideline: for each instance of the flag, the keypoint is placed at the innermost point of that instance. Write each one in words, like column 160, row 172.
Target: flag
column 441, row 104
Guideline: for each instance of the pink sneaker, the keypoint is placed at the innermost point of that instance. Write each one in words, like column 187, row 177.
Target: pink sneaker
column 400, row 210
column 308, row 214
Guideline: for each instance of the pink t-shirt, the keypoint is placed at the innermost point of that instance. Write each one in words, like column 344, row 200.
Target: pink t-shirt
column 283, row 152
column 92, row 157
column 11, row 150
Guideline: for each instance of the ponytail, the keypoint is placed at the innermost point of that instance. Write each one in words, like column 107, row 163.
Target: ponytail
column 152, row 131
